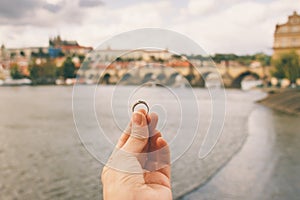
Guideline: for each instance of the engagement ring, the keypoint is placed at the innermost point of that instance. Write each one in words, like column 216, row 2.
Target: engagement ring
column 140, row 102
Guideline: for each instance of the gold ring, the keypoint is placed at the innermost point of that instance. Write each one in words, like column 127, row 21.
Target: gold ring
column 140, row 102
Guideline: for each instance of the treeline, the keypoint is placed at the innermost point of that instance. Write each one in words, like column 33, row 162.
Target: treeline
column 246, row 60
column 45, row 71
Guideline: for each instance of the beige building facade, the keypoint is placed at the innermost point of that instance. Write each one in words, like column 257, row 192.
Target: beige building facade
column 287, row 36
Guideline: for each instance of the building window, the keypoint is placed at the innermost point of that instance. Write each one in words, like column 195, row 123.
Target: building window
column 295, row 20
column 284, row 42
column 295, row 29
column 283, row 29
column 293, row 42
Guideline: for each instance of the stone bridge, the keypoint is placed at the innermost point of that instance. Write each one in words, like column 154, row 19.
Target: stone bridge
column 232, row 76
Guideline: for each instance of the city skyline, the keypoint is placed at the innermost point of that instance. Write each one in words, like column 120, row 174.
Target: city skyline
column 230, row 26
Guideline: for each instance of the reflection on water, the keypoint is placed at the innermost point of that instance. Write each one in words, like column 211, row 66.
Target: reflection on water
column 41, row 156
column 249, row 84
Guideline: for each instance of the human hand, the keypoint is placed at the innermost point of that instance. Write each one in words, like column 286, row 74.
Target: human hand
column 139, row 168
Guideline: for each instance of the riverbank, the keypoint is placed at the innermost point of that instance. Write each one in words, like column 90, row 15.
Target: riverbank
column 284, row 100
column 267, row 167
column 269, row 155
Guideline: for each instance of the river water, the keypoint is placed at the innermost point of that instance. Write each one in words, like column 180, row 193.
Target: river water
column 42, row 157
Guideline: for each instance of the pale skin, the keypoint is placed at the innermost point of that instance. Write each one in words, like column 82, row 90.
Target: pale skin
column 154, row 180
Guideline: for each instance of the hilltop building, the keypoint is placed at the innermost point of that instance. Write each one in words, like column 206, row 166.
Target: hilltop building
column 57, row 46
column 287, row 36
column 58, row 49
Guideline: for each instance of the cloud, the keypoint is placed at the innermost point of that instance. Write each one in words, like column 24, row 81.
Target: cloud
column 90, row 3
column 200, row 7
column 51, row 13
column 13, row 9
column 245, row 13
column 54, row 8
column 240, row 27
column 228, row 26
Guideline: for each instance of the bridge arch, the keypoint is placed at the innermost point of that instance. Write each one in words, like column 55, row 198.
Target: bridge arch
column 172, row 78
column 236, row 83
column 105, row 79
column 161, row 78
column 212, row 79
column 126, row 78
column 148, row 77
column 206, row 74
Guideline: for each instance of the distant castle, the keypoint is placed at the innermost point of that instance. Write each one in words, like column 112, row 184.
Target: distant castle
column 58, row 42
column 67, row 47
column 287, row 36
column 56, row 47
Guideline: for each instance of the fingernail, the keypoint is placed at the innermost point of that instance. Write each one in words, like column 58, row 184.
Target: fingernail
column 137, row 118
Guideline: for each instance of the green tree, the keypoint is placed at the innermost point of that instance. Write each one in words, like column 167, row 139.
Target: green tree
column 15, row 72
column 49, row 69
column 61, row 54
column 69, row 70
column 287, row 66
column 44, row 73
column 81, row 58
column 34, row 72
column 224, row 57
column 264, row 59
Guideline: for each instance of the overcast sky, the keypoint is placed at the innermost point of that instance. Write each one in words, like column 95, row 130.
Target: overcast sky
column 219, row 26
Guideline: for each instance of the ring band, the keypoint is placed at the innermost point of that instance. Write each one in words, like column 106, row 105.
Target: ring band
column 140, row 102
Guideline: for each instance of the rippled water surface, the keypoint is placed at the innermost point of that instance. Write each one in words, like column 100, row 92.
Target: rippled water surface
column 41, row 156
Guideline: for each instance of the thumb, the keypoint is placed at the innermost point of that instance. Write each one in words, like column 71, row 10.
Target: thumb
column 139, row 134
